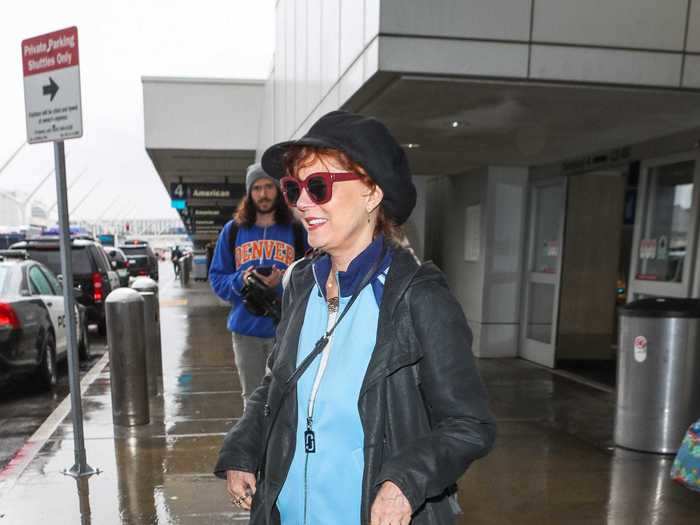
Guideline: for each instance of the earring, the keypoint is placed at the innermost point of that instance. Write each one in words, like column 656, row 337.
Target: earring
column 369, row 216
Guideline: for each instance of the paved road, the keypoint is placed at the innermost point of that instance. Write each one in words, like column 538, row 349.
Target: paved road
column 23, row 407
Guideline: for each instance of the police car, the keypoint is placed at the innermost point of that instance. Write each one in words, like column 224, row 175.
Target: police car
column 92, row 271
column 33, row 335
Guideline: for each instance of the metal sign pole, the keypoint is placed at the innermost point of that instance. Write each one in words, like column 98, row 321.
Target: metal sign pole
column 80, row 468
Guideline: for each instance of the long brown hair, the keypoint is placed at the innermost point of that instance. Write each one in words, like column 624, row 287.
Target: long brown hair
column 246, row 214
column 298, row 157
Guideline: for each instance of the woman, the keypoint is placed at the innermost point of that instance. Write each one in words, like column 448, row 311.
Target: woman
column 372, row 407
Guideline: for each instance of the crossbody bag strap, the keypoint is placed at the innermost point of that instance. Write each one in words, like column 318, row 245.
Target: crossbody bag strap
column 318, row 348
column 323, row 341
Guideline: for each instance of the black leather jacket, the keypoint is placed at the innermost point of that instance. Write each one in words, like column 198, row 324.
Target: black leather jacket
column 422, row 404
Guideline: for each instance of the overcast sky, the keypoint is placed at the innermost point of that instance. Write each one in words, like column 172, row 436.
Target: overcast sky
column 121, row 41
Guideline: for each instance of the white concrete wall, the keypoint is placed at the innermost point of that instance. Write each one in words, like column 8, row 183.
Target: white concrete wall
column 691, row 72
column 266, row 133
column 645, row 24
column 326, row 50
column 504, row 238
column 638, row 42
column 416, row 224
column 449, row 199
column 480, row 19
column 489, row 288
column 202, row 113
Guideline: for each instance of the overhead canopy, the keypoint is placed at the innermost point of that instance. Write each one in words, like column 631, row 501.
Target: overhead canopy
column 202, row 131
column 472, row 122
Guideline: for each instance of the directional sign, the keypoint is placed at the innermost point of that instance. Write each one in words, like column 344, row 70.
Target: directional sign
column 217, row 213
column 201, row 218
column 206, row 191
column 52, row 86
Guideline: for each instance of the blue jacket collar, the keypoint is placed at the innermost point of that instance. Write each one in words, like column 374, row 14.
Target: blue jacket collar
column 357, row 269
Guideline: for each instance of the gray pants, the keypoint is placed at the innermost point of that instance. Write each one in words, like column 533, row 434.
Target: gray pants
column 251, row 355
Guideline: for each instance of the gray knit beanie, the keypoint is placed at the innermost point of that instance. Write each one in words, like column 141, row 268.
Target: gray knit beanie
column 255, row 173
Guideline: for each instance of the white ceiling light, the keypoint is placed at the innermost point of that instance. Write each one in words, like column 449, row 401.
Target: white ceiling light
column 411, row 145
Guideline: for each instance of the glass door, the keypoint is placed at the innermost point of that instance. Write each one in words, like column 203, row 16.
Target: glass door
column 547, row 202
column 663, row 257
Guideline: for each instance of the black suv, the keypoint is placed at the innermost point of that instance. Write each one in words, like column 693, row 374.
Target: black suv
column 142, row 259
column 91, row 271
column 120, row 263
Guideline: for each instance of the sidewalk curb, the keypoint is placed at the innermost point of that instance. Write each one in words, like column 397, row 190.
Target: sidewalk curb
column 25, row 455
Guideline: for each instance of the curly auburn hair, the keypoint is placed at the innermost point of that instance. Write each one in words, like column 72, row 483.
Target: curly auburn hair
column 297, row 157
column 246, row 214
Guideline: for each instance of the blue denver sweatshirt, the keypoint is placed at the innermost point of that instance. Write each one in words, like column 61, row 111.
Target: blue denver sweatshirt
column 255, row 246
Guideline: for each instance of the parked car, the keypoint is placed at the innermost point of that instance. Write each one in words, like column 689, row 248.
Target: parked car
column 33, row 334
column 142, row 260
column 112, row 273
column 92, row 271
column 120, row 263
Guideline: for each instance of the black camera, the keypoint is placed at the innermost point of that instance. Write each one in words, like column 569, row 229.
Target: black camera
column 259, row 299
column 263, row 270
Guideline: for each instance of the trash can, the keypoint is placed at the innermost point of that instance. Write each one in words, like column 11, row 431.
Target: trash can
column 658, row 373
column 185, row 268
column 199, row 265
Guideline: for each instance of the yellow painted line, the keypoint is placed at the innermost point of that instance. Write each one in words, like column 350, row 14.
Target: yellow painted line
column 169, row 303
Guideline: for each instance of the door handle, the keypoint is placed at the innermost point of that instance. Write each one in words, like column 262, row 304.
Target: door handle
column 49, row 303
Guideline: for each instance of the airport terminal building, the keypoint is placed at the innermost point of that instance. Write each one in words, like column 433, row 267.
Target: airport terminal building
column 554, row 143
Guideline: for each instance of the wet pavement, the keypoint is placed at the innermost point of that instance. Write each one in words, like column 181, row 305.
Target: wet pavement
column 24, row 405
column 553, row 463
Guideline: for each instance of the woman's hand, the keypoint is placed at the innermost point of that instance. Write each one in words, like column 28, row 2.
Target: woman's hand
column 241, row 487
column 390, row 507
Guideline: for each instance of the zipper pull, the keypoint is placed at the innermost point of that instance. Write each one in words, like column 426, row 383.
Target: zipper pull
column 322, row 342
column 309, row 437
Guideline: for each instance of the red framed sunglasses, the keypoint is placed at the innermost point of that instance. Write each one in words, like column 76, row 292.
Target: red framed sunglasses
column 319, row 186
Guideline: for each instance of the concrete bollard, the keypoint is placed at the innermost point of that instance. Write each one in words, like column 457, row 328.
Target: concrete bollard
column 185, row 268
column 148, row 289
column 149, row 324
column 144, row 284
column 127, row 357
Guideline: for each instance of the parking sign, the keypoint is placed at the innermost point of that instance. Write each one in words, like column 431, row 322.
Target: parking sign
column 52, row 86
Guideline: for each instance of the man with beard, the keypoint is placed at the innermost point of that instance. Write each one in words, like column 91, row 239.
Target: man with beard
column 262, row 239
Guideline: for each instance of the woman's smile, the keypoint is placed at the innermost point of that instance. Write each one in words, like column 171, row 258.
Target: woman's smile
column 314, row 223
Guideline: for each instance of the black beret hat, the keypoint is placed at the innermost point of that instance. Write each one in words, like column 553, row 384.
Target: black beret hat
column 367, row 142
